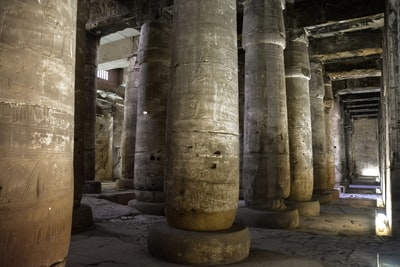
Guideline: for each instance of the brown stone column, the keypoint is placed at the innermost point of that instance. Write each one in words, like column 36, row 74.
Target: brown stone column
column 317, row 91
column 266, row 167
column 129, row 126
column 37, row 62
column 330, row 150
column 85, row 105
column 154, row 62
column 85, row 116
column 202, row 169
column 297, row 71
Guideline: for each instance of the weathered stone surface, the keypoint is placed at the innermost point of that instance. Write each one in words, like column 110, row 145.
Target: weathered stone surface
column 297, row 69
column 104, row 151
column 317, row 92
column 37, row 62
column 199, row 248
column 154, row 61
column 202, row 179
column 266, row 168
column 129, row 123
column 330, row 150
column 85, row 104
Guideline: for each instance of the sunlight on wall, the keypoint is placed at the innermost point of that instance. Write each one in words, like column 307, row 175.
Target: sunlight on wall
column 382, row 227
column 374, row 171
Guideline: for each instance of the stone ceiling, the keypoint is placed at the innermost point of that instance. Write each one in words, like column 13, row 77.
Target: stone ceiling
column 345, row 35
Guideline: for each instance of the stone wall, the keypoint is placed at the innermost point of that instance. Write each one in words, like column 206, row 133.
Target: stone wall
column 365, row 149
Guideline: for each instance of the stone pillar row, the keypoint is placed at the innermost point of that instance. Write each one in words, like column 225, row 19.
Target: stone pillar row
column 266, row 165
column 323, row 186
column 297, row 71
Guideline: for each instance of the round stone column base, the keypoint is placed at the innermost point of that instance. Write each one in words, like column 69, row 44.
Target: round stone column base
column 82, row 218
column 199, row 248
column 153, row 208
column 92, row 187
column 305, row 208
column 124, row 183
column 326, row 197
column 275, row 219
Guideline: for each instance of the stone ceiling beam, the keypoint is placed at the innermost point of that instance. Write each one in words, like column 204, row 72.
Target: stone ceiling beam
column 314, row 12
column 108, row 16
column 348, row 45
column 354, row 74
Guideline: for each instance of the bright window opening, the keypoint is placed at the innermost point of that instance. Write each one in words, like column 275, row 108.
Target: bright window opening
column 102, row 74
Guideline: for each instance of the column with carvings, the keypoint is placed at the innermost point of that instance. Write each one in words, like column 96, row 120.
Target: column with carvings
column 85, row 118
column 297, row 71
column 37, row 62
column 129, row 126
column 330, row 149
column 322, row 190
column 154, row 62
column 266, row 166
column 202, row 169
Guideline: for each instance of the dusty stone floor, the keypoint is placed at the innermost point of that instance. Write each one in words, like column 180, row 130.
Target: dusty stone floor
column 344, row 235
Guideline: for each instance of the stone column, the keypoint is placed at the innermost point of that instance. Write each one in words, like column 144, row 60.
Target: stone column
column 37, row 63
column 330, row 150
column 154, row 62
column 266, row 167
column 297, row 71
column 202, row 170
column 129, row 126
column 317, row 92
column 85, row 116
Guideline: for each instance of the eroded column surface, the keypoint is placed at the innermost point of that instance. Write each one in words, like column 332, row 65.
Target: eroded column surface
column 37, row 63
column 85, row 115
column 154, row 62
column 202, row 170
column 129, row 126
column 297, row 71
column 319, row 136
column 266, row 168
column 330, row 150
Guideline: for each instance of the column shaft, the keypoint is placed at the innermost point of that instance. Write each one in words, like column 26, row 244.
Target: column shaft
column 201, row 184
column 85, row 103
column 330, row 150
column 154, row 62
column 202, row 180
column 37, row 61
column 297, row 67
column 266, row 170
column 323, row 172
column 129, row 125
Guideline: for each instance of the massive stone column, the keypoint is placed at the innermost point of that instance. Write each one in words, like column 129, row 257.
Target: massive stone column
column 37, row 63
column 202, row 169
column 297, row 71
column 154, row 62
column 317, row 91
column 85, row 116
column 266, row 167
column 330, row 150
column 129, row 126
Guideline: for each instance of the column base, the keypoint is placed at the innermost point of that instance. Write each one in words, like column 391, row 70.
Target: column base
column 92, row 187
column 326, row 197
column 275, row 219
column 309, row 208
column 124, row 183
column 199, row 248
column 82, row 218
column 152, row 208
